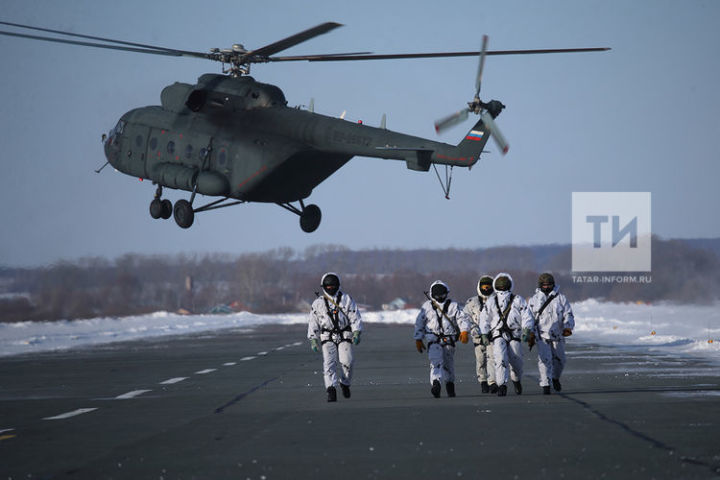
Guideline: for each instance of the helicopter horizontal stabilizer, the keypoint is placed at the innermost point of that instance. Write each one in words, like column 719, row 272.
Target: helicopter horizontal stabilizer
column 418, row 159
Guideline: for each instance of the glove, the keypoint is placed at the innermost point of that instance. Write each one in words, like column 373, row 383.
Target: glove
column 525, row 335
column 419, row 345
column 356, row 337
column 314, row 345
column 464, row 337
column 567, row 332
column 531, row 340
column 485, row 339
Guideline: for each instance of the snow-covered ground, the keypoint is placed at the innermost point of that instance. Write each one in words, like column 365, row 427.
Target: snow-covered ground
column 681, row 329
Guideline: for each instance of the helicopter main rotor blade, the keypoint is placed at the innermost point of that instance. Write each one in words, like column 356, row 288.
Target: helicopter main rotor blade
column 292, row 40
column 451, row 120
column 495, row 132
column 169, row 53
column 397, row 56
column 481, row 65
column 91, row 37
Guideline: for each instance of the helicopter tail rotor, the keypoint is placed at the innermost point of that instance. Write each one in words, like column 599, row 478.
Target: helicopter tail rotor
column 487, row 111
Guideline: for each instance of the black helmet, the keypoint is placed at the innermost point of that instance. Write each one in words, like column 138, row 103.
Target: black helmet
column 484, row 286
column 330, row 283
column 439, row 291
column 503, row 283
column 546, row 283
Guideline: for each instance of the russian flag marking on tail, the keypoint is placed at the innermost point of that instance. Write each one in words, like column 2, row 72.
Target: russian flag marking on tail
column 476, row 135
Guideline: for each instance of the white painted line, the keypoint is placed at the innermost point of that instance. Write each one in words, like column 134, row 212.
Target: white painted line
column 170, row 381
column 297, row 344
column 229, row 364
column 279, row 348
column 207, row 370
column 6, row 430
column 261, row 353
column 63, row 416
column 133, row 394
column 245, row 359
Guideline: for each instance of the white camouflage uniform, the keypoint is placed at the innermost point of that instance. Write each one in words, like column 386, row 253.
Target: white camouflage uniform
column 483, row 354
column 440, row 335
column 336, row 341
column 556, row 317
column 506, row 343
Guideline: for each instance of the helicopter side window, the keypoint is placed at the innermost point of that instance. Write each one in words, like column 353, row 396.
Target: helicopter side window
column 139, row 140
column 171, row 147
column 188, row 152
column 153, row 143
column 203, row 152
column 222, row 157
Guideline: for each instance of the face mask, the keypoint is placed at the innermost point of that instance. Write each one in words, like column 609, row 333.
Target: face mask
column 546, row 289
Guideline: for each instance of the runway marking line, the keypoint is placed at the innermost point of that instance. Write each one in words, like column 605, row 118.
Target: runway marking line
column 74, row 413
column 206, row 371
column 171, row 381
column 261, row 353
column 229, row 364
column 245, row 359
column 133, row 394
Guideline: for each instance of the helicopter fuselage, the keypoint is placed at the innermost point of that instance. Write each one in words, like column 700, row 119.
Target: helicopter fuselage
column 237, row 138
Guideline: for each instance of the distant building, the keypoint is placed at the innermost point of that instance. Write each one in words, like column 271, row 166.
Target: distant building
column 397, row 304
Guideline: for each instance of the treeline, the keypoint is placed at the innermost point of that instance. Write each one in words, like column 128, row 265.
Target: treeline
column 284, row 280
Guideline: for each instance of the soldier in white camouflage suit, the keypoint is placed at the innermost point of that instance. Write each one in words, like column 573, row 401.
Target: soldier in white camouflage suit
column 335, row 326
column 506, row 322
column 484, row 361
column 555, row 321
column 440, row 323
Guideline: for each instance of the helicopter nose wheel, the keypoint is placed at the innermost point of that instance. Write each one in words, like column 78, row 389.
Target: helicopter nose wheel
column 310, row 218
column 160, row 208
column 184, row 214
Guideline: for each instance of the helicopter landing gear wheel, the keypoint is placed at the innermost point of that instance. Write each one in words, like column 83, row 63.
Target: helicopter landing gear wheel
column 184, row 214
column 156, row 208
column 310, row 218
column 167, row 209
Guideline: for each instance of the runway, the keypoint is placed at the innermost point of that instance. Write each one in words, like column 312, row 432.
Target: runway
column 251, row 404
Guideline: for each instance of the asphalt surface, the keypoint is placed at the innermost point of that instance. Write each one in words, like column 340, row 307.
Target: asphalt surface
column 237, row 404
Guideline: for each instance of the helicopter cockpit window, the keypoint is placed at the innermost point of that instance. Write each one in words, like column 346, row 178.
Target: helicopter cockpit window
column 171, row 147
column 120, row 127
column 188, row 151
column 153, row 143
column 203, row 153
column 222, row 157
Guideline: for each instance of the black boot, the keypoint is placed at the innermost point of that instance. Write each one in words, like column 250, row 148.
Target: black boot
column 484, row 387
column 493, row 388
column 518, row 387
column 502, row 390
column 556, row 384
column 332, row 394
column 546, row 390
column 435, row 390
column 450, row 389
column 345, row 390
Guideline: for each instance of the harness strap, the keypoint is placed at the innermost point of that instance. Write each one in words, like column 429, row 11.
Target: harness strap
column 440, row 315
column 504, row 328
column 334, row 315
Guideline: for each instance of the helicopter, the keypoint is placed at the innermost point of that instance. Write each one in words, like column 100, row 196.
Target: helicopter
column 232, row 137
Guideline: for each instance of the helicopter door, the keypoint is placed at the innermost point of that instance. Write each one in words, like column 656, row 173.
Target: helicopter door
column 133, row 148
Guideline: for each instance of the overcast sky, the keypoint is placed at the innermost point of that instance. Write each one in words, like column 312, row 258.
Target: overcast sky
column 643, row 117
